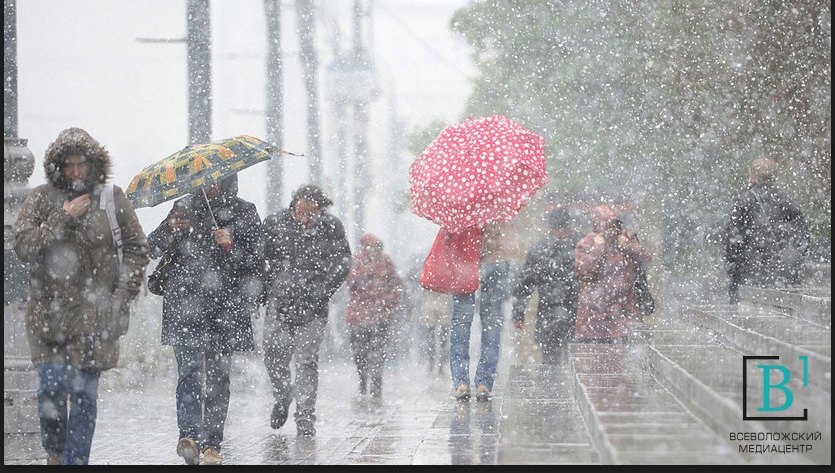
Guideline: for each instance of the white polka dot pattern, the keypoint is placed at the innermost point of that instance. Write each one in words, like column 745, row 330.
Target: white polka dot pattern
column 476, row 172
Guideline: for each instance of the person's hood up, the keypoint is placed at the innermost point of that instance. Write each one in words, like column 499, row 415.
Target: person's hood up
column 229, row 187
column 74, row 141
column 371, row 243
column 221, row 203
column 602, row 218
column 559, row 219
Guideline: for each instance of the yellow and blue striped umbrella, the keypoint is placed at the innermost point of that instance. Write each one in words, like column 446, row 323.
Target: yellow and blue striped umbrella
column 197, row 166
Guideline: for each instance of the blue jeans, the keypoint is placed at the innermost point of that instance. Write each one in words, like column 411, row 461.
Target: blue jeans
column 63, row 388
column 492, row 286
column 201, row 414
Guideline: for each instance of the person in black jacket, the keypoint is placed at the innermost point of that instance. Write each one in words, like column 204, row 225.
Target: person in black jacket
column 549, row 266
column 210, row 295
column 307, row 257
column 765, row 235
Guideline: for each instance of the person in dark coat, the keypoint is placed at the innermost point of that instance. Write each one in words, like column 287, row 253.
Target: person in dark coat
column 549, row 267
column 307, row 258
column 79, row 291
column 765, row 235
column 210, row 295
column 374, row 290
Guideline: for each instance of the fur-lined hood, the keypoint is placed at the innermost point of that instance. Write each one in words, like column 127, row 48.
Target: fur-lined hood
column 76, row 141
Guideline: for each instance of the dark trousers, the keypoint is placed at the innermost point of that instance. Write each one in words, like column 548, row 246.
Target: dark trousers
column 369, row 347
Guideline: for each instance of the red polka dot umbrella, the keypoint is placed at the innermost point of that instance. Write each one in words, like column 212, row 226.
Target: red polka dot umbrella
column 480, row 171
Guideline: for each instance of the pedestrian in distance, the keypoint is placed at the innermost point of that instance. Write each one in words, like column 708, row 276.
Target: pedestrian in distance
column 80, row 286
column 549, row 268
column 307, row 257
column 499, row 253
column 210, row 296
column 435, row 318
column 605, row 262
column 765, row 237
column 431, row 311
column 374, row 290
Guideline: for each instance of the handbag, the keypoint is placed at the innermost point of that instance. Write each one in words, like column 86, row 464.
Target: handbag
column 646, row 303
column 157, row 279
column 452, row 264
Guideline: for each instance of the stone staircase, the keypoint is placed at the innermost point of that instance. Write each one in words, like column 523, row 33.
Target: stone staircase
column 677, row 395
column 20, row 380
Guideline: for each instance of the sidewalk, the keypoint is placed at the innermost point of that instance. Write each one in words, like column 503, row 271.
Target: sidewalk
column 670, row 396
column 416, row 422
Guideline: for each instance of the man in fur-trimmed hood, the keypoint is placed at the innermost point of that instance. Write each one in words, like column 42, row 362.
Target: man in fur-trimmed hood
column 79, row 291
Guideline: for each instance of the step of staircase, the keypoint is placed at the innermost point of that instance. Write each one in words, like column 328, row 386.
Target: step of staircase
column 812, row 304
column 20, row 398
column 541, row 421
column 690, row 388
column 633, row 418
column 727, row 391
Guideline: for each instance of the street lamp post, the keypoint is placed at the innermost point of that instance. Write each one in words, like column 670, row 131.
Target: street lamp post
column 19, row 378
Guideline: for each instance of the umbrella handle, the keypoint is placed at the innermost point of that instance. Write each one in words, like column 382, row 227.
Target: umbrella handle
column 211, row 212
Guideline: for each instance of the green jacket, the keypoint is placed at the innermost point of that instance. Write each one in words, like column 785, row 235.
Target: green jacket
column 77, row 306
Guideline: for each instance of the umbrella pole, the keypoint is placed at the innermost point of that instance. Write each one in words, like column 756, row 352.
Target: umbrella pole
column 211, row 212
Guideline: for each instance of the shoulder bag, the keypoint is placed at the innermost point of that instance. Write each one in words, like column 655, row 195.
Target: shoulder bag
column 157, row 279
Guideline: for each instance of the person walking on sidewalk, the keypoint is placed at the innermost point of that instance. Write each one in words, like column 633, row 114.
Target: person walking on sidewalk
column 499, row 252
column 79, row 287
column 605, row 263
column 374, row 290
column 549, row 267
column 211, row 292
column 765, row 236
column 435, row 315
column 307, row 258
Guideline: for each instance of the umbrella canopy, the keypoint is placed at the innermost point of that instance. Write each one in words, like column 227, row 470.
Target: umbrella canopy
column 480, row 171
column 195, row 167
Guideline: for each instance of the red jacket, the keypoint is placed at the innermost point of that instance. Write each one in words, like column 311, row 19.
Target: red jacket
column 374, row 286
column 607, row 280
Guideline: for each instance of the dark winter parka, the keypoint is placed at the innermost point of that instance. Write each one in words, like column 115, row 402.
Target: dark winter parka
column 765, row 238
column 303, row 267
column 211, row 294
column 78, row 292
column 549, row 267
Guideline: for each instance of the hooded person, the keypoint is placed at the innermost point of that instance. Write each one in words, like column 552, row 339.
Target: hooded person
column 213, row 240
column 549, row 269
column 79, row 291
column 605, row 263
column 374, row 289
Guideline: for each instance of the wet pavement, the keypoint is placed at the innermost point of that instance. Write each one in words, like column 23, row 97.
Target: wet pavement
column 670, row 396
column 415, row 422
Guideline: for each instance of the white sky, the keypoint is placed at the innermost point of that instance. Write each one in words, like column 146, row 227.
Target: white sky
column 80, row 64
